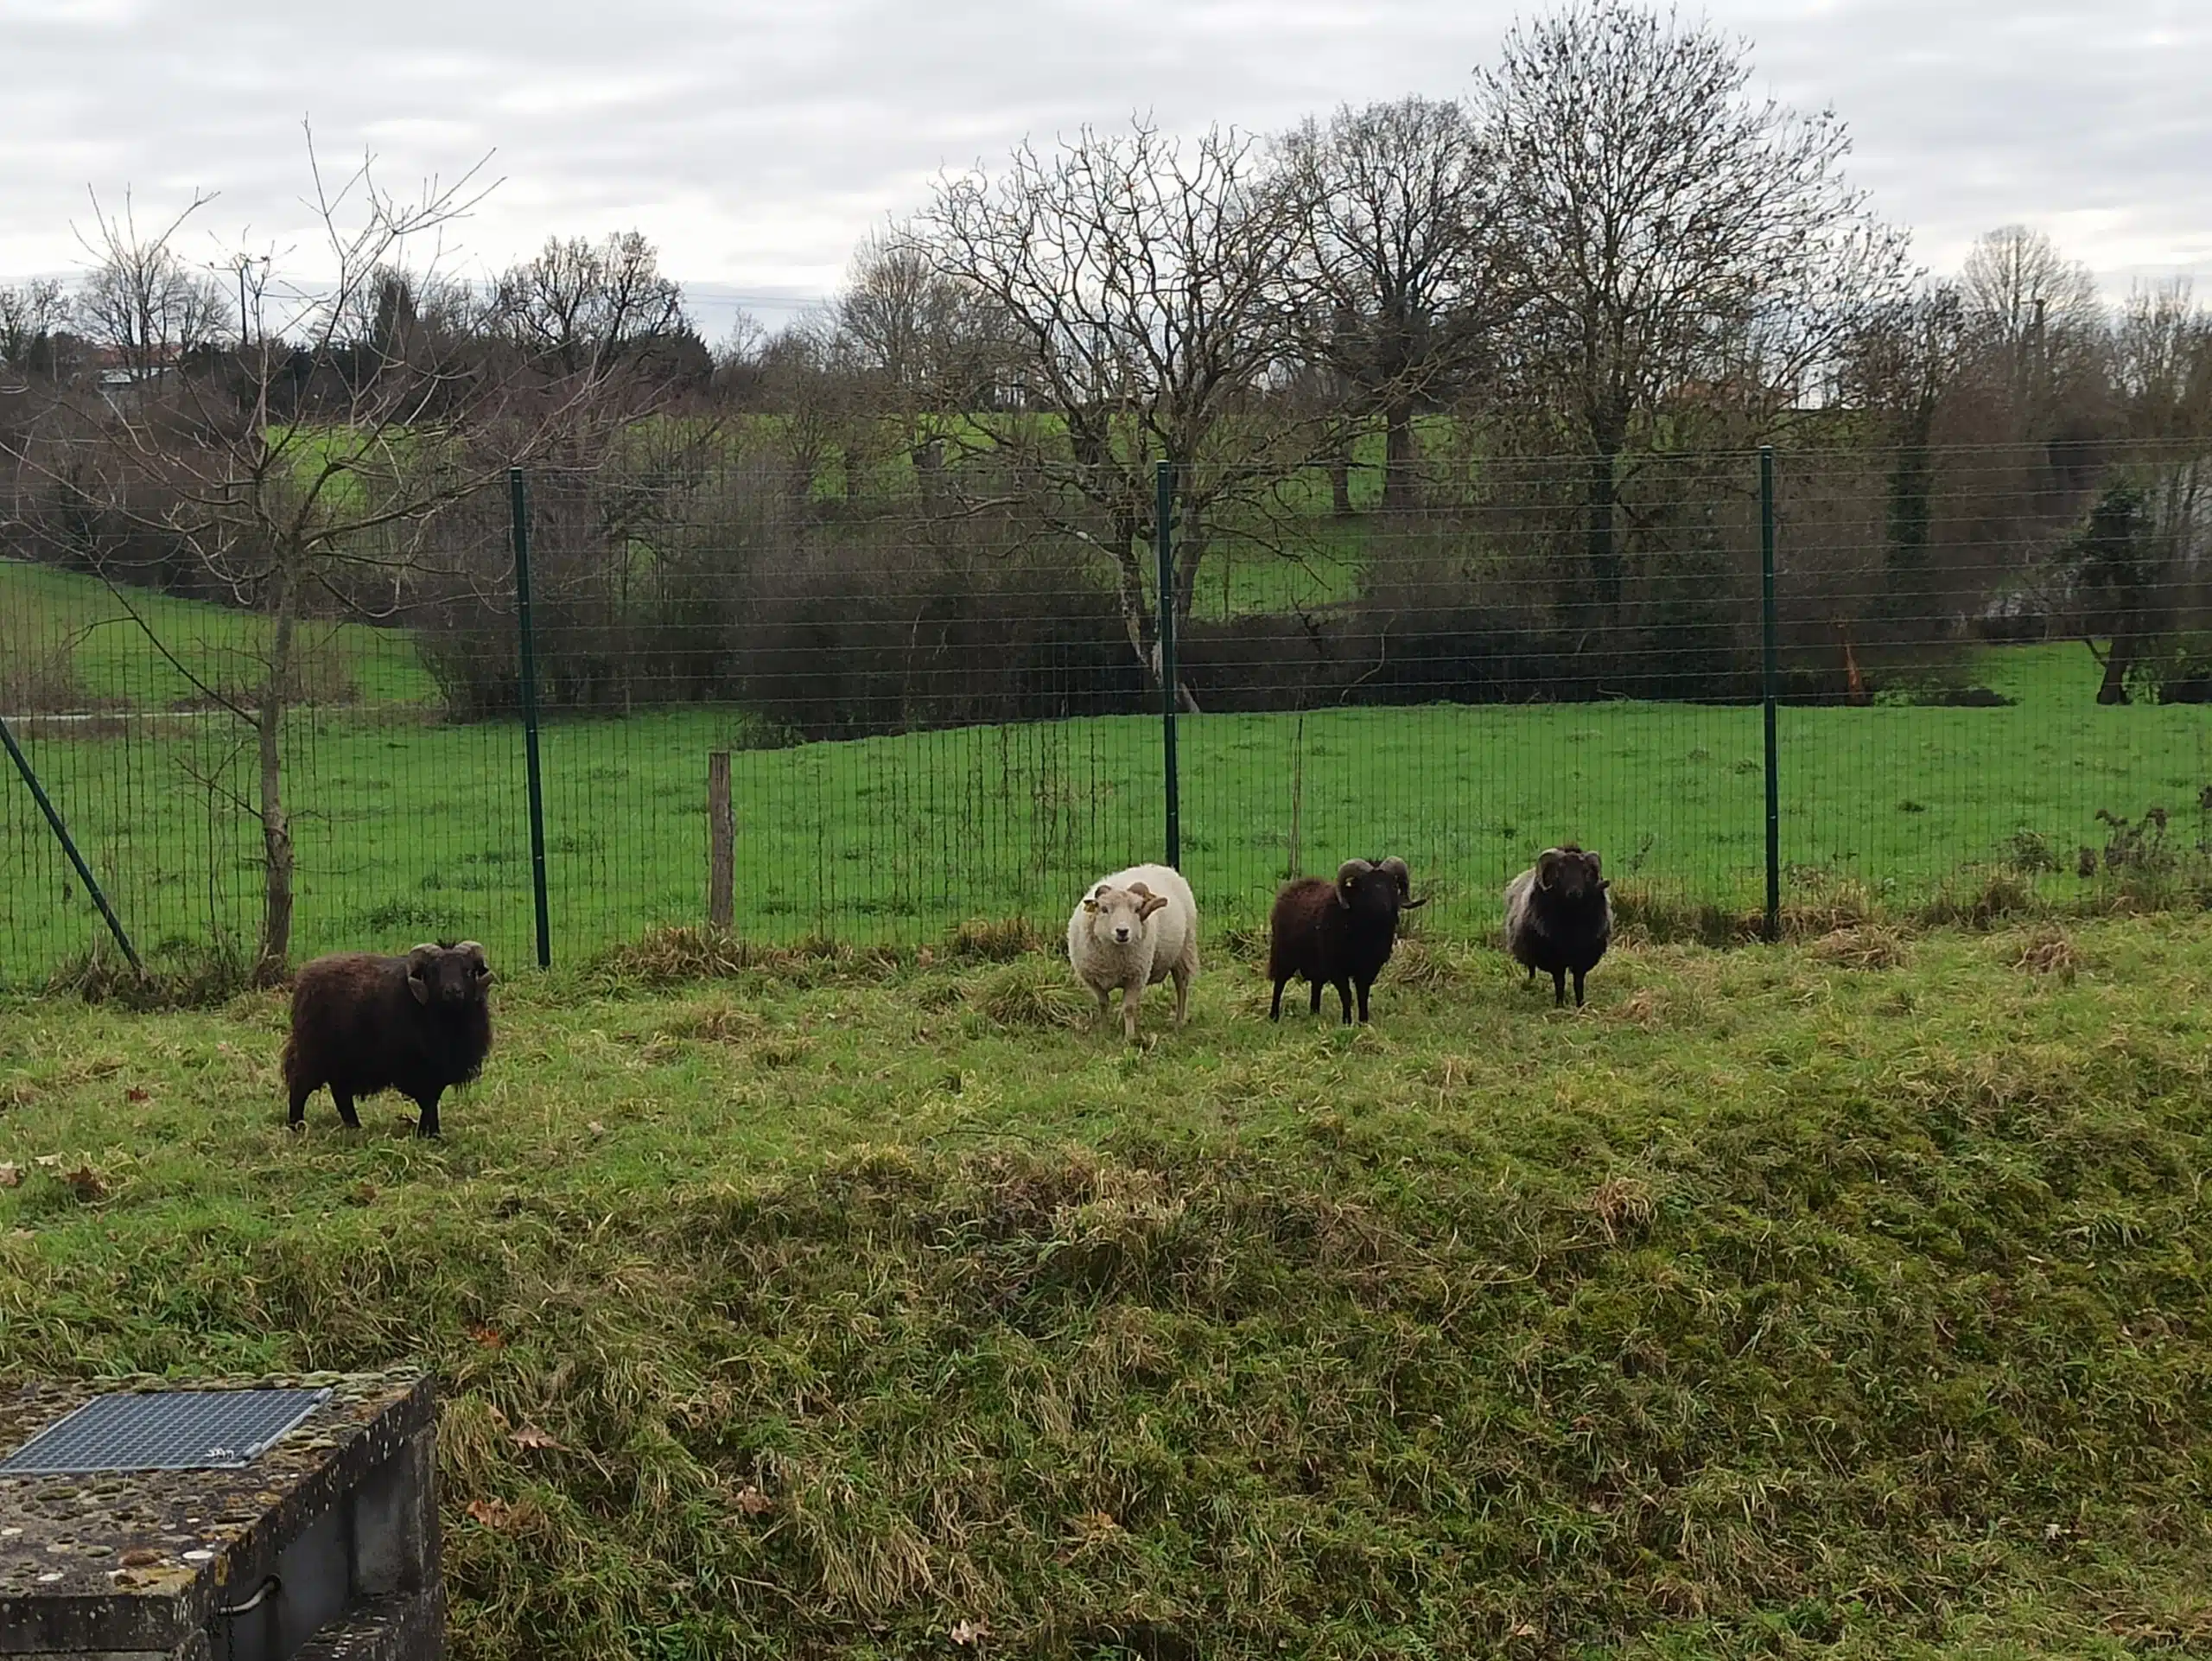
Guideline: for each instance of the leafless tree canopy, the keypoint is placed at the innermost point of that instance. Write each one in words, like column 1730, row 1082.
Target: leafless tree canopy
column 1143, row 285
column 582, row 307
column 31, row 314
column 1673, row 237
column 1397, row 283
column 141, row 302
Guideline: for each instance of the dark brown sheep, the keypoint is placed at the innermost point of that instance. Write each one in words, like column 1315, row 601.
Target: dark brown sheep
column 1558, row 917
column 1338, row 933
column 362, row 1023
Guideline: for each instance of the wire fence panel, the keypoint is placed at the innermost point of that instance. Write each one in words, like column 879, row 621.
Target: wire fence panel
column 936, row 679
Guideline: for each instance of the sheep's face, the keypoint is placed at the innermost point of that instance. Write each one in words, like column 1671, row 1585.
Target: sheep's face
column 448, row 977
column 1570, row 875
column 1381, row 889
column 1117, row 915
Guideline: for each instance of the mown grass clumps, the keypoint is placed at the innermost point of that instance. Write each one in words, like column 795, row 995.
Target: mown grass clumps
column 1770, row 1307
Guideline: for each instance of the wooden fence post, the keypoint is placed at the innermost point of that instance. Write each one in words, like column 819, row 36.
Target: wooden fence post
column 721, row 853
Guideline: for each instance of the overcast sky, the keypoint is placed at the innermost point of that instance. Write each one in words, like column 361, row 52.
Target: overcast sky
column 755, row 143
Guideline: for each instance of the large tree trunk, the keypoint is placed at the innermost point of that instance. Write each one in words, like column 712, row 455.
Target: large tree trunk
column 1913, row 488
column 1601, row 497
column 276, row 829
column 2120, row 658
column 1400, row 453
column 1340, row 480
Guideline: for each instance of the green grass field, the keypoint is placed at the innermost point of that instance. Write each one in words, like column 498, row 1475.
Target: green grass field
column 407, row 827
column 1844, row 1300
column 48, row 614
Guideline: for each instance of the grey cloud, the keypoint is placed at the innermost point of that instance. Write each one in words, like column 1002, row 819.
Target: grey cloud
column 756, row 144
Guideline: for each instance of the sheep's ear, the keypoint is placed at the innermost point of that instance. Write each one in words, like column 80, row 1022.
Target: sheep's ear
column 1413, row 905
column 1348, row 876
column 1548, row 869
column 1595, row 863
column 1090, row 904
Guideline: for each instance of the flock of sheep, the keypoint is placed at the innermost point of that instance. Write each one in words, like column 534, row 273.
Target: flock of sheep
column 1140, row 926
column 422, row 1024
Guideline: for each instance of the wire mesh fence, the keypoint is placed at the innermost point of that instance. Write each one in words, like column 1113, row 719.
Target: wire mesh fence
column 938, row 686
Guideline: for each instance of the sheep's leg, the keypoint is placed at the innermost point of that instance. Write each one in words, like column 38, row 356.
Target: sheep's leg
column 1182, row 973
column 1531, row 981
column 1344, row 996
column 1559, row 988
column 428, row 1124
column 1102, row 994
column 1314, row 1008
column 1578, row 988
column 1274, row 1010
column 298, row 1120
column 1362, row 1000
column 1130, row 994
column 345, row 1100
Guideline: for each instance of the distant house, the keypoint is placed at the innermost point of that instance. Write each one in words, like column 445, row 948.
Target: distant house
column 127, row 390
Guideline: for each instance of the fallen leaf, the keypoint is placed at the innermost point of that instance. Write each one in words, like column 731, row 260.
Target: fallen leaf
column 136, row 1094
column 87, row 1183
column 491, row 1513
column 488, row 1338
column 530, row 1436
column 11, row 1176
column 753, row 1502
column 970, row 1631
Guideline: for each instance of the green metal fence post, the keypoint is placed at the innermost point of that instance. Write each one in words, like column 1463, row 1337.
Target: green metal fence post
column 1769, row 676
column 69, row 845
column 1163, row 493
column 518, row 522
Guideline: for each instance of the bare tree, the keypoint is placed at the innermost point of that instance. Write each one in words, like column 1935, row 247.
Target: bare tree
column 142, row 302
column 1903, row 362
column 2163, row 363
column 580, row 308
column 917, row 344
column 31, row 314
column 1143, row 284
column 2037, row 317
column 292, row 502
column 1397, row 279
column 1671, row 236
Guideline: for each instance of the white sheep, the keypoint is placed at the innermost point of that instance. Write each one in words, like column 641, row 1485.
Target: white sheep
column 1132, row 930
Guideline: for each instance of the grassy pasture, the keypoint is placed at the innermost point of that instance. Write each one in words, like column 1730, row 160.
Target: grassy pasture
column 408, row 827
column 1845, row 1300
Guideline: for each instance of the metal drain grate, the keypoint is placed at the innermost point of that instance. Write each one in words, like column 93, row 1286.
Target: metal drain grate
column 164, row 1430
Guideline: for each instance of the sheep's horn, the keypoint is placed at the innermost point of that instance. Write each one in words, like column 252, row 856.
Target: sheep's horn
column 1398, row 869
column 1353, row 867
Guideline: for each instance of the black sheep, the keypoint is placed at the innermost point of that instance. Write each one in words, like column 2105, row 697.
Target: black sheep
column 362, row 1023
column 1338, row 933
column 1558, row 919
